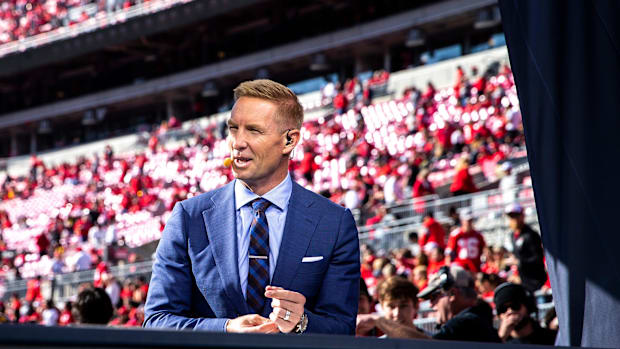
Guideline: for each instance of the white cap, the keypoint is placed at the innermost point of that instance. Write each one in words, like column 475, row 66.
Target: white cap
column 466, row 215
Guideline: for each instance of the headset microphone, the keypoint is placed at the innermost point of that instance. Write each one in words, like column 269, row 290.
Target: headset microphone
column 227, row 162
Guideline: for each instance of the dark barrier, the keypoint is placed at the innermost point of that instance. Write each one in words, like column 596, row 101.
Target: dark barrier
column 565, row 56
column 30, row 336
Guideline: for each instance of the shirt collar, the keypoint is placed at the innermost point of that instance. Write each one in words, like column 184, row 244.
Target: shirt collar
column 278, row 196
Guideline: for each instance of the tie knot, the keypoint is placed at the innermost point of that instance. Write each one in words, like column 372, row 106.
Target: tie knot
column 260, row 205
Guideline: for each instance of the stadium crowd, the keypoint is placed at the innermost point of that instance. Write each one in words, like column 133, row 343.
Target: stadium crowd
column 20, row 19
column 92, row 212
column 107, row 301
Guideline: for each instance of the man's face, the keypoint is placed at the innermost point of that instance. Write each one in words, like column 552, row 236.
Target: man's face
column 402, row 311
column 514, row 221
column 513, row 311
column 440, row 303
column 257, row 143
column 466, row 225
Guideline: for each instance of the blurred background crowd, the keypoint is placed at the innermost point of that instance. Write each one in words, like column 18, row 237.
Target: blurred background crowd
column 436, row 174
column 96, row 212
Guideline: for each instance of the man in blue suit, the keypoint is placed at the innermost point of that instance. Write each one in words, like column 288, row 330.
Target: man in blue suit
column 261, row 254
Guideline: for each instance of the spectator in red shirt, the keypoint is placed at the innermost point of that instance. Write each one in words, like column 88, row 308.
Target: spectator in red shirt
column 81, row 227
column 431, row 231
column 136, row 317
column 422, row 185
column 100, row 270
column 463, row 181
column 465, row 245
column 436, row 259
column 43, row 243
column 66, row 315
column 5, row 222
column 33, row 289
column 31, row 316
column 340, row 103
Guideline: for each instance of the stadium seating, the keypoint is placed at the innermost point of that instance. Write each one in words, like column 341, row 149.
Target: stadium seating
column 23, row 19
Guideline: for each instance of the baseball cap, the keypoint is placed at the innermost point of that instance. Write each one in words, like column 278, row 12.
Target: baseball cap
column 446, row 278
column 513, row 208
column 509, row 294
column 466, row 215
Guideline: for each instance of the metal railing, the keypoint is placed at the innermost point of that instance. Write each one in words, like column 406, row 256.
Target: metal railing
column 101, row 20
column 487, row 207
column 63, row 286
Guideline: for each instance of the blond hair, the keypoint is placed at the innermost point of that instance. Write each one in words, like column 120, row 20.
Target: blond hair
column 289, row 109
column 461, row 163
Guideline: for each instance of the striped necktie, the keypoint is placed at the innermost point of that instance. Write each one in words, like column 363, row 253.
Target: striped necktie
column 258, row 272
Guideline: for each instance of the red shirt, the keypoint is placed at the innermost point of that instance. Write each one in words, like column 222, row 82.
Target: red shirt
column 33, row 291
column 422, row 188
column 102, row 267
column 42, row 242
column 432, row 231
column 434, row 267
column 463, row 181
column 65, row 318
column 467, row 247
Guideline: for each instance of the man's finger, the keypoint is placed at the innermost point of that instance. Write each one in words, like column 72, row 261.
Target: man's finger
column 268, row 327
column 281, row 313
column 294, row 297
column 274, row 329
column 255, row 319
column 284, row 326
column 284, row 304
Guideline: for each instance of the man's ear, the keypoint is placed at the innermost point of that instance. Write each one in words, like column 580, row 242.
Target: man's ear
column 453, row 293
column 290, row 140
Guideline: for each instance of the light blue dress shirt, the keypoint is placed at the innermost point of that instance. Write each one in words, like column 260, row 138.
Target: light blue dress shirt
column 276, row 217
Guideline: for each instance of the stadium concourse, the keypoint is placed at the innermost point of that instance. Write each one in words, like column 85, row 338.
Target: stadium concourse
column 92, row 213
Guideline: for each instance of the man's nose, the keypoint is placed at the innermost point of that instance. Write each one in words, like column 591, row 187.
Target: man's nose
column 238, row 141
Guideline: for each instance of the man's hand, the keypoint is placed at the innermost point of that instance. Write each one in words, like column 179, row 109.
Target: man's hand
column 509, row 321
column 285, row 302
column 365, row 323
column 251, row 323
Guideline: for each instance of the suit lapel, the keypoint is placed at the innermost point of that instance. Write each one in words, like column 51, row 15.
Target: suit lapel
column 298, row 231
column 220, row 221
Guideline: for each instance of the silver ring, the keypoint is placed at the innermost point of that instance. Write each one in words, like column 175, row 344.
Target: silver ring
column 287, row 315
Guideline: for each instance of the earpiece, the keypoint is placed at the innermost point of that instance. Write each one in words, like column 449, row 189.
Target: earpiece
column 289, row 140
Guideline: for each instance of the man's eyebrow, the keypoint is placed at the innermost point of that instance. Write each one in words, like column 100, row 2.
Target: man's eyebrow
column 255, row 126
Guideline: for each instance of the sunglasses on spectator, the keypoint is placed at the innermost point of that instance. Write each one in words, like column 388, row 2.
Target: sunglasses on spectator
column 504, row 307
column 433, row 297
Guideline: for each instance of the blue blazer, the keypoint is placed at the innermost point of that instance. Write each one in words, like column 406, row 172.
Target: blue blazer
column 195, row 280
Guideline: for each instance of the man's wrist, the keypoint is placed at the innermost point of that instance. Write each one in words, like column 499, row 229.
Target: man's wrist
column 302, row 325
